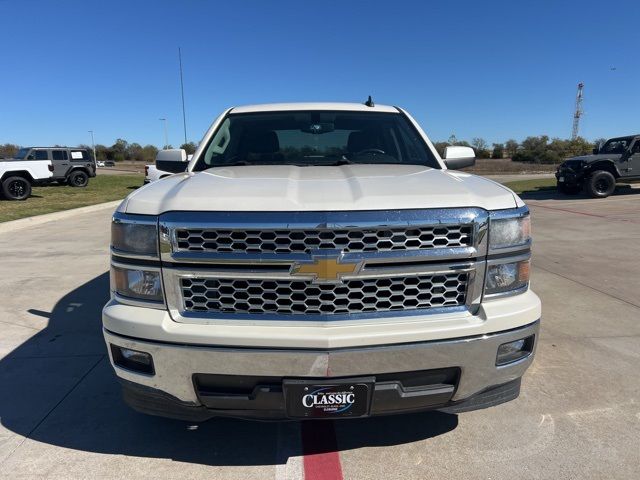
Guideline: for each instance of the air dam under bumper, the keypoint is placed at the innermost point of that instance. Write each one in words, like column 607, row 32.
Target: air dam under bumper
column 451, row 375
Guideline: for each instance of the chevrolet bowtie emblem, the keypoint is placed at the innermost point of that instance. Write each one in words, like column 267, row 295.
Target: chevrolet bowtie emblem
column 326, row 269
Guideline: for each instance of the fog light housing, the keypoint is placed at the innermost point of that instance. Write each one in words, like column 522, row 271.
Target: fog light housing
column 513, row 351
column 134, row 360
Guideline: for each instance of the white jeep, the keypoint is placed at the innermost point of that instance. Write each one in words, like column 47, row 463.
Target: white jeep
column 320, row 260
column 17, row 176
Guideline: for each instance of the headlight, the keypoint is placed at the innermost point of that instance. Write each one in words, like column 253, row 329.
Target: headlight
column 136, row 234
column 507, row 277
column 509, row 232
column 136, row 283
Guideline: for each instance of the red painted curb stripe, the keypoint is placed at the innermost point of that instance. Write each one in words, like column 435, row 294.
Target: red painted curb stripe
column 321, row 457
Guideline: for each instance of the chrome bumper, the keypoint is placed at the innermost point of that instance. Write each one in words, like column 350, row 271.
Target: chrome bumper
column 475, row 356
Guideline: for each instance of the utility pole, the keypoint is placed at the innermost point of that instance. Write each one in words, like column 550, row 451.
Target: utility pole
column 184, row 115
column 166, row 136
column 578, row 112
column 93, row 146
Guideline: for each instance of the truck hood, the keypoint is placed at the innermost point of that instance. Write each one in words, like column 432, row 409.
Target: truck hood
column 318, row 188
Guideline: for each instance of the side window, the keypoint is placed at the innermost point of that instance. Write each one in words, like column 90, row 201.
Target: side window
column 59, row 155
column 42, row 154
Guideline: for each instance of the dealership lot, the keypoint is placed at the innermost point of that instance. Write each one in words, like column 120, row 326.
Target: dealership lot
column 578, row 415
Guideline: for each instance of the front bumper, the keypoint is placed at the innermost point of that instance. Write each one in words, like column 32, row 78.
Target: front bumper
column 189, row 381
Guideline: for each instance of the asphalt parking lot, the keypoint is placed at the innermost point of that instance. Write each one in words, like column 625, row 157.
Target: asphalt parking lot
column 578, row 415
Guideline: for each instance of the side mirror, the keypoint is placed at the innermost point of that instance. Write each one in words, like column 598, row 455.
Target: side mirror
column 172, row 160
column 595, row 151
column 459, row 157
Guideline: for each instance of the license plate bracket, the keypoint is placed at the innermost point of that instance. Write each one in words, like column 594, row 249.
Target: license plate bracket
column 328, row 398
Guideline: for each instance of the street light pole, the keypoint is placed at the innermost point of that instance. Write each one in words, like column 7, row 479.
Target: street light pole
column 166, row 137
column 93, row 146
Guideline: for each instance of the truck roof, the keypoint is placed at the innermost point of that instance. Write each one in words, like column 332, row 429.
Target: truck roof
column 59, row 147
column 283, row 107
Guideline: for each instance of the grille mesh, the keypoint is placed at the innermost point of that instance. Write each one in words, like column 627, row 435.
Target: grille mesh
column 305, row 241
column 222, row 295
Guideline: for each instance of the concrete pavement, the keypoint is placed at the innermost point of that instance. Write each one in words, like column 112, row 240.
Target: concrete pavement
column 578, row 415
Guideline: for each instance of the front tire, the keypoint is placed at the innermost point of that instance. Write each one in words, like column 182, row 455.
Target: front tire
column 78, row 179
column 601, row 184
column 16, row 188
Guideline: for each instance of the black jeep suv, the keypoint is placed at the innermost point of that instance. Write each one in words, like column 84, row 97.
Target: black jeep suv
column 617, row 160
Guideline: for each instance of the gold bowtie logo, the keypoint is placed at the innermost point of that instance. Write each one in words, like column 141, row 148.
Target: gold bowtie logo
column 325, row 269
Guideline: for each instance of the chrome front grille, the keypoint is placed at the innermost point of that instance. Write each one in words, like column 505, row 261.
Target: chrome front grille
column 225, row 295
column 309, row 240
column 322, row 266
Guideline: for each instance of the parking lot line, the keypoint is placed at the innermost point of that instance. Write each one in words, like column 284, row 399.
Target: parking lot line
column 321, row 457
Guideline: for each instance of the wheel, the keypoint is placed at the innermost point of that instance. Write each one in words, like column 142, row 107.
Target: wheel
column 78, row 179
column 16, row 188
column 601, row 184
column 569, row 189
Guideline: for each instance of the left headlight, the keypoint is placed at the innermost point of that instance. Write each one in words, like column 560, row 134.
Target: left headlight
column 135, row 262
column 137, row 283
column 134, row 234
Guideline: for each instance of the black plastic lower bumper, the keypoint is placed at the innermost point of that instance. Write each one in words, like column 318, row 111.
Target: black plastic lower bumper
column 266, row 402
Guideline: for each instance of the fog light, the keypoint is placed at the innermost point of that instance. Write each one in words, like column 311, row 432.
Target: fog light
column 514, row 351
column 134, row 360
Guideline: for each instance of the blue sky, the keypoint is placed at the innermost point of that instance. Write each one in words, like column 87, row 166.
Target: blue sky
column 495, row 70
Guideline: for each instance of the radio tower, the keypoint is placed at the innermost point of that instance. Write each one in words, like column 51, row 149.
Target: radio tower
column 578, row 112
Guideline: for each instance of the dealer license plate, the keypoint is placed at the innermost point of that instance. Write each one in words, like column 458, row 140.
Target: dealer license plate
column 309, row 399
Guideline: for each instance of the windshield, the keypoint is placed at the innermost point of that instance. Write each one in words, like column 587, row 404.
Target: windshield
column 616, row 145
column 21, row 154
column 307, row 138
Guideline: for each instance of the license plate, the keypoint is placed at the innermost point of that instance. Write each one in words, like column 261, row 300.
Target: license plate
column 561, row 179
column 308, row 399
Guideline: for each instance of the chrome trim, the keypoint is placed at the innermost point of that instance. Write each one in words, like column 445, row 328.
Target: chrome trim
column 133, row 256
column 177, row 264
column 175, row 300
column 476, row 357
column 120, row 217
column 171, row 221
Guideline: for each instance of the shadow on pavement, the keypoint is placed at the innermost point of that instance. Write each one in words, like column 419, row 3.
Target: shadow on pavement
column 551, row 193
column 58, row 388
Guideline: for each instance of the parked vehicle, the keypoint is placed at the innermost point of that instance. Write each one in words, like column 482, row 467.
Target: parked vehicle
column 71, row 166
column 152, row 173
column 18, row 176
column 100, row 163
column 320, row 260
column 615, row 161
column 109, row 163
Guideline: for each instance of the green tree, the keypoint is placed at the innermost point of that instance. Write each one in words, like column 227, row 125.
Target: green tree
column 190, row 147
column 119, row 150
column 480, row 146
column 498, row 150
column 511, row 147
column 149, row 153
column 8, row 150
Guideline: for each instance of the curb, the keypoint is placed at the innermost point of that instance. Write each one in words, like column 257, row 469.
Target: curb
column 13, row 225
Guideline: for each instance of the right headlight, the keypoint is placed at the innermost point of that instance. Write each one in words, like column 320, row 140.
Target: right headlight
column 509, row 232
column 134, row 234
column 507, row 271
column 136, row 282
column 507, row 277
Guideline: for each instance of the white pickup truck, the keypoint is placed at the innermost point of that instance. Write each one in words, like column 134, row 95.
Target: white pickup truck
column 17, row 176
column 320, row 260
column 152, row 173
